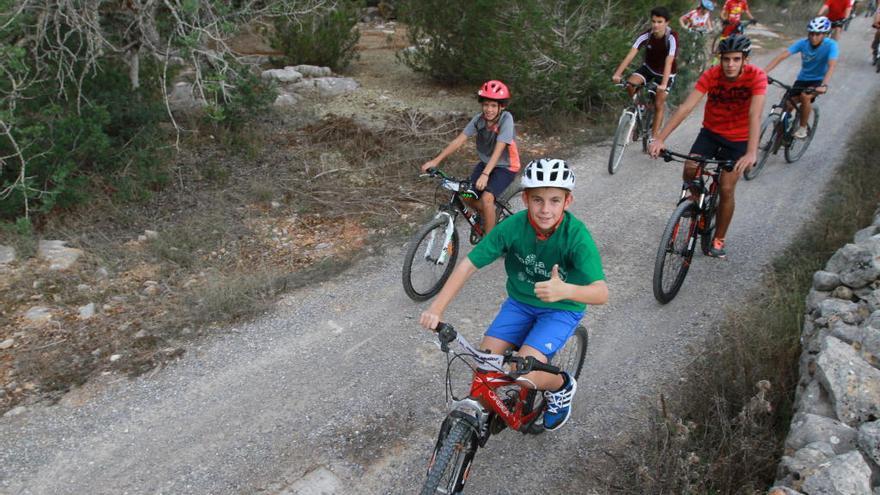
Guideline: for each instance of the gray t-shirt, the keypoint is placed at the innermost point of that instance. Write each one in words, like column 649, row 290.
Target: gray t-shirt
column 488, row 136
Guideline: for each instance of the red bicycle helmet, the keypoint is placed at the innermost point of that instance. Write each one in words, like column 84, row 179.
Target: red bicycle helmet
column 494, row 90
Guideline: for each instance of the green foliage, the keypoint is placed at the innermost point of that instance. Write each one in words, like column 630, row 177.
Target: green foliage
column 327, row 37
column 20, row 235
column 555, row 55
column 233, row 109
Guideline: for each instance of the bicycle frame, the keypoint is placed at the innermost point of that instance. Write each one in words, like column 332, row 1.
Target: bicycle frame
column 483, row 402
column 782, row 109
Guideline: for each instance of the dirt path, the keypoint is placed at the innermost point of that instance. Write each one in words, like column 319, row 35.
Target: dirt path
column 340, row 389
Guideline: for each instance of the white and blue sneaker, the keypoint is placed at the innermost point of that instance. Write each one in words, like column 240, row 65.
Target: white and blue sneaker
column 557, row 408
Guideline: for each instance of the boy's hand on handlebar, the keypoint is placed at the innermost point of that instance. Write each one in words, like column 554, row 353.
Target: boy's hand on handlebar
column 655, row 147
column 430, row 319
column 430, row 164
column 616, row 79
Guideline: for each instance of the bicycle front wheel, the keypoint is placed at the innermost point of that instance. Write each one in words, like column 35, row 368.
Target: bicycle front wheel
column 796, row 148
column 622, row 137
column 429, row 259
column 675, row 252
column 450, row 462
column 766, row 143
column 571, row 357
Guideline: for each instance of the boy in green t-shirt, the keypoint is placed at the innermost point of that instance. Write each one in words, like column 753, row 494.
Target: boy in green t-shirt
column 553, row 272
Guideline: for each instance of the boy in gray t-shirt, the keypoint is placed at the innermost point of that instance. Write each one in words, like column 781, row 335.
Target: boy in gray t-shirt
column 496, row 147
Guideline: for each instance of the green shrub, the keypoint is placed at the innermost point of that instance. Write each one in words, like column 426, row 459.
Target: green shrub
column 557, row 55
column 325, row 38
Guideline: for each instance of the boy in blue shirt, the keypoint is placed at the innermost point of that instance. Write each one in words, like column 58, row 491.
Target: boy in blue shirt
column 818, row 59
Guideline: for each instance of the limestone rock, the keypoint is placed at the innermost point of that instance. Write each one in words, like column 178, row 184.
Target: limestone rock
column 285, row 75
column 815, row 297
column 59, row 256
column 810, row 428
column 847, row 474
column 7, row 254
column 326, row 87
column 792, row 467
column 7, row 344
column 87, row 311
column 838, row 308
column 813, row 399
column 182, row 97
column 852, row 384
column 866, row 233
column 287, row 100
column 38, row 314
column 312, row 70
column 869, row 440
column 857, row 264
column 825, row 281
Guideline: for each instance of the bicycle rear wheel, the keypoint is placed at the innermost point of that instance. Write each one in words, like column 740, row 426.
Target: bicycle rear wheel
column 796, row 148
column 675, row 252
column 622, row 137
column 766, row 144
column 424, row 268
column 451, row 460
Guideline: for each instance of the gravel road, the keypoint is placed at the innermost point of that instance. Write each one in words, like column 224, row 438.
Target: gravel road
column 339, row 390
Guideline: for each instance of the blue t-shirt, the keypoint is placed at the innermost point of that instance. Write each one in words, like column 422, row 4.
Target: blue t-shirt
column 814, row 60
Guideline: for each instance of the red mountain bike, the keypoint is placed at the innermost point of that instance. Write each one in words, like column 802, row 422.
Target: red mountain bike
column 498, row 399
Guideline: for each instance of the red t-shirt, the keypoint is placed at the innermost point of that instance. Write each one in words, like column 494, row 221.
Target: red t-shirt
column 837, row 8
column 735, row 9
column 727, row 108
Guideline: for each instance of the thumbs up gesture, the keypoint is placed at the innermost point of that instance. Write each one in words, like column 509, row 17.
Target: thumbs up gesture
column 552, row 290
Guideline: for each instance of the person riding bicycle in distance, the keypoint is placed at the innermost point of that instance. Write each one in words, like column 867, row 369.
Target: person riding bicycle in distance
column 698, row 19
column 818, row 59
column 496, row 148
column 553, row 271
column 731, row 14
column 661, row 47
column 837, row 12
column 736, row 91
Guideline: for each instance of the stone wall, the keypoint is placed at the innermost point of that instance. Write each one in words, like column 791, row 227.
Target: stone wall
column 833, row 446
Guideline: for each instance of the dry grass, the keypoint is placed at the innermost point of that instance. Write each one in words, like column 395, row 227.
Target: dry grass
column 722, row 431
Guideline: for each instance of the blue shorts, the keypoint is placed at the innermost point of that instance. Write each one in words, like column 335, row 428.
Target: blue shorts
column 544, row 329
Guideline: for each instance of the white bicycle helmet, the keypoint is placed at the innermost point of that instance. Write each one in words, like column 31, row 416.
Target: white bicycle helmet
column 819, row 25
column 548, row 172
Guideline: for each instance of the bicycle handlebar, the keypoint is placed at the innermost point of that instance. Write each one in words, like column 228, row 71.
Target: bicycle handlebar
column 522, row 365
column 670, row 156
column 804, row 89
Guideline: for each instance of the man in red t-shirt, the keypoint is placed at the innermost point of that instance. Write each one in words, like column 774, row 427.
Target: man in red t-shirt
column 837, row 11
column 731, row 123
column 732, row 13
column 661, row 45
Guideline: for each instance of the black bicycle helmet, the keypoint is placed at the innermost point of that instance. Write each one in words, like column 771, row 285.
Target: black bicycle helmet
column 736, row 43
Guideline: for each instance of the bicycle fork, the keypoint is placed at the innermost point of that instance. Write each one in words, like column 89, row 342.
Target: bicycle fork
column 446, row 252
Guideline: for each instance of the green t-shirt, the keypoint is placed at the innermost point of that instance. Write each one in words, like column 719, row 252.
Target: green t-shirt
column 529, row 260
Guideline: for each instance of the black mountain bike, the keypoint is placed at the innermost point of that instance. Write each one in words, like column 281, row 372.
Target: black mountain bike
column 433, row 249
column 693, row 218
column 635, row 121
column 779, row 126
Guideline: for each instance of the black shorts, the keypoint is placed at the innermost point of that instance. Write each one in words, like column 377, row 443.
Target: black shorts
column 712, row 146
column 799, row 86
column 648, row 76
column 499, row 179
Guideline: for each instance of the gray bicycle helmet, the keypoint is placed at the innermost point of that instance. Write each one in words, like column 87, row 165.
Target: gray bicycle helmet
column 736, row 43
column 548, row 172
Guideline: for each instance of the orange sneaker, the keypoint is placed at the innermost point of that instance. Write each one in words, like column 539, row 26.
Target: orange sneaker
column 717, row 249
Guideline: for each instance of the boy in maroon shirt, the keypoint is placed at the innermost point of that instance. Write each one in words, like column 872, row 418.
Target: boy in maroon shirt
column 661, row 45
column 731, row 123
